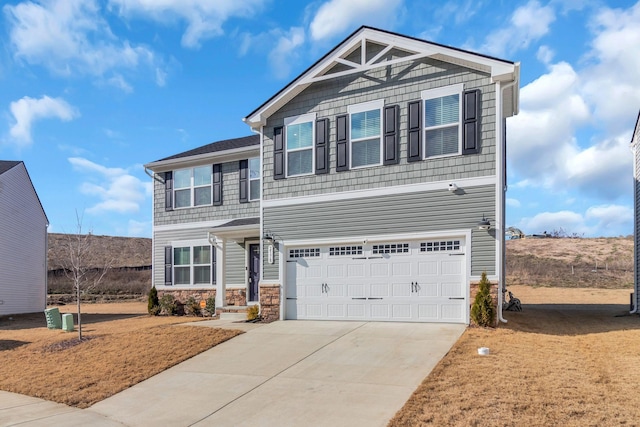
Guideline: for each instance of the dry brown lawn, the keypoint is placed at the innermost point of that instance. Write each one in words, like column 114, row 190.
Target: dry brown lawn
column 570, row 358
column 124, row 346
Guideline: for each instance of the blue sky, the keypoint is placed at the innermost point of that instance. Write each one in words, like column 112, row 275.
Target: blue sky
column 92, row 90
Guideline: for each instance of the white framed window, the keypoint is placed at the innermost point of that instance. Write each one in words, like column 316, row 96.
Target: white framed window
column 254, row 178
column 300, row 141
column 192, row 187
column 192, row 265
column 365, row 134
column 442, row 117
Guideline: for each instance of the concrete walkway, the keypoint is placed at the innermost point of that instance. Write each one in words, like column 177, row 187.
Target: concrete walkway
column 289, row 373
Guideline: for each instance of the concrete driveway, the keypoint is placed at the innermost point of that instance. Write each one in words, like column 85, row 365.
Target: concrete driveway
column 288, row 373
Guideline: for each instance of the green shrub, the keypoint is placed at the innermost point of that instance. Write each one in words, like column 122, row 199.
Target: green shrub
column 168, row 305
column 192, row 307
column 482, row 311
column 211, row 306
column 153, row 304
column 252, row 312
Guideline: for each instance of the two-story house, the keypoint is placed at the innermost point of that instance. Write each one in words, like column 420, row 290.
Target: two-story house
column 381, row 175
column 635, row 148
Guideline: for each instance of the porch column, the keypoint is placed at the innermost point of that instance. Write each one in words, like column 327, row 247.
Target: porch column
column 221, row 286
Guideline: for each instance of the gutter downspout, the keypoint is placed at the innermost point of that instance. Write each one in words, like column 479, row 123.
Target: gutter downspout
column 501, row 190
column 153, row 175
column 635, row 230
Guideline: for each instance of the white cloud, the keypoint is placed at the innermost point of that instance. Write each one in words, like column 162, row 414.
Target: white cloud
column 527, row 24
column 513, row 203
column 119, row 82
column 118, row 190
column 283, row 55
column 545, row 54
column 204, row 18
column 336, row 16
column 70, row 37
column 600, row 220
column 28, row 110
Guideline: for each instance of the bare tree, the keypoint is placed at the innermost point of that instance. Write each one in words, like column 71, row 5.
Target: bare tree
column 82, row 265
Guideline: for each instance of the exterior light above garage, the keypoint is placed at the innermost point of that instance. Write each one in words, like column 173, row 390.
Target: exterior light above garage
column 484, row 224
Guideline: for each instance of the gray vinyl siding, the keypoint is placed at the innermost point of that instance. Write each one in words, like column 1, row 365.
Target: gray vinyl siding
column 231, row 206
column 636, row 230
column 235, row 260
column 428, row 211
column 23, row 245
column 397, row 84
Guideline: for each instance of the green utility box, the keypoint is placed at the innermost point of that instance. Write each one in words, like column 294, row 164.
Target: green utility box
column 54, row 320
column 67, row 322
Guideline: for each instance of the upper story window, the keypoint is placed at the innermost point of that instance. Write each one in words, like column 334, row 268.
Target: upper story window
column 299, row 144
column 365, row 132
column 192, row 187
column 442, row 129
column 254, row 178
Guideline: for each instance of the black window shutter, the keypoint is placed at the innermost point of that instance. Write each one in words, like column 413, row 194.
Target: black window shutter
column 322, row 146
column 390, row 144
column 414, row 147
column 217, row 185
column 168, row 262
column 244, row 181
column 342, row 143
column 278, row 153
column 168, row 191
column 471, row 112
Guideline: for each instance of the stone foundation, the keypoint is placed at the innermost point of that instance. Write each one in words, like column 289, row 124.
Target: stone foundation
column 236, row 297
column 270, row 302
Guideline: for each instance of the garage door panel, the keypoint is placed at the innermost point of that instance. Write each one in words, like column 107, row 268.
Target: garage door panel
column 428, row 268
column 397, row 281
column 451, row 289
column 380, row 290
column 401, row 290
column 379, row 269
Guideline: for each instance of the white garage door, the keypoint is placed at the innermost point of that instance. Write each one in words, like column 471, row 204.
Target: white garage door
column 419, row 281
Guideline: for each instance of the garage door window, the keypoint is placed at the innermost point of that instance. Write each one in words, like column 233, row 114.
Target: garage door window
column 304, row 253
column 391, row 248
column 440, row 246
column 345, row 250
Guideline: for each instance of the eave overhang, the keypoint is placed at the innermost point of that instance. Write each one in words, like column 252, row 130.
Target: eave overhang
column 214, row 157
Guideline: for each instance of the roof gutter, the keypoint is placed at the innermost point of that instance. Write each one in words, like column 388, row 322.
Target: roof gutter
column 153, row 175
column 219, row 155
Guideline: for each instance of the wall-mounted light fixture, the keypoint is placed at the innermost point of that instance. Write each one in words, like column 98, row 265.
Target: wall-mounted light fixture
column 484, row 224
column 268, row 237
column 453, row 187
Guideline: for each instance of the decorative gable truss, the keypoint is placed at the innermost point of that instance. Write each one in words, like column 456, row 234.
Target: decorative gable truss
column 369, row 48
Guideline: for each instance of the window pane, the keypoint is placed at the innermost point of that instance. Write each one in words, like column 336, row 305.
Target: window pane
column 300, row 162
column 182, row 275
column 202, row 175
column 183, row 198
column 202, row 275
column 300, row 136
column 254, row 168
column 202, row 254
column 254, row 189
column 203, row 196
column 365, row 152
column 440, row 111
column 182, row 178
column 182, row 256
column 441, row 141
column 365, row 124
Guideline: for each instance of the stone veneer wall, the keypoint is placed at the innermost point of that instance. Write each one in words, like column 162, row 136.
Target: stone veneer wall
column 270, row 302
column 235, row 297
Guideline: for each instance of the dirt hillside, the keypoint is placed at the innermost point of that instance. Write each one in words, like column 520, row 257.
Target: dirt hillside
column 569, row 262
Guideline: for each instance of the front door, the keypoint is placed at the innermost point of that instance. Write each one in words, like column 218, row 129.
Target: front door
column 254, row 271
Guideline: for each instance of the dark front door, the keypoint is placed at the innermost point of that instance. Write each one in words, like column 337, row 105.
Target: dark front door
column 254, row 271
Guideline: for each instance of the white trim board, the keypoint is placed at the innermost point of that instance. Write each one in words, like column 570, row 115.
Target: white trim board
column 383, row 191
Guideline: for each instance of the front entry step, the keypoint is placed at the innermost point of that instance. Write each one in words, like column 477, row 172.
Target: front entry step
column 233, row 312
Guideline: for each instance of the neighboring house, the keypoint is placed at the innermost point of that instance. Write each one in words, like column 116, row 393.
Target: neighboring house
column 381, row 186
column 23, row 243
column 635, row 147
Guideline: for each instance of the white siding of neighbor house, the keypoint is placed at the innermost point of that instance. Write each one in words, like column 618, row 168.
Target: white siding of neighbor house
column 23, row 245
column 636, row 194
